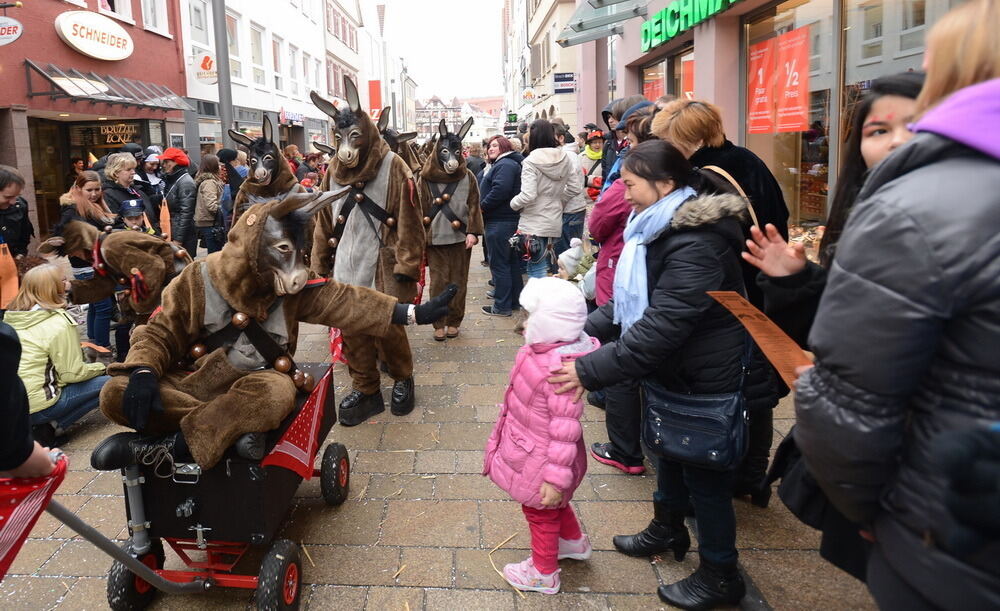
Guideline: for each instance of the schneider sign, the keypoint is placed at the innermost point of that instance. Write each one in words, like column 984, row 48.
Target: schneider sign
column 679, row 16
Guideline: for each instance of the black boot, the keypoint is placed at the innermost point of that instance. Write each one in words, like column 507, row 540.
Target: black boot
column 358, row 407
column 403, row 397
column 666, row 532
column 751, row 477
column 711, row 586
column 251, row 445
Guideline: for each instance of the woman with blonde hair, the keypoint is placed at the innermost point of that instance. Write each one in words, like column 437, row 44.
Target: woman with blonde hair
column 119, row 175
column 906, row 340
column 61, row 387
column 84, row 202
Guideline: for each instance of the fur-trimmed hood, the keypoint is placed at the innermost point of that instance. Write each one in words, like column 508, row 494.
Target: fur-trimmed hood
column 371, row 156
column 708, row 210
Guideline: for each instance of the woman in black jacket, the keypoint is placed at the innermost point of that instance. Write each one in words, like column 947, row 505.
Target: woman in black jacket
column 662, row 324
column 500, row 182
column 119, row 175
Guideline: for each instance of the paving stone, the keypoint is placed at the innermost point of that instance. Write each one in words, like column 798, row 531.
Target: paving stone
column 74, row 481
column 501, row 519
column 47, row 525
column 383, row 462
column 609, row 572
column 629, row 517
column 426, row 567
column 105, row 513
column 224, row 599
column 479, row 395
column 406, row 486
column 469, row 462
column 772, row 528
column 430, row 379
column 464, row 436
column 639, row 602
column 380, row 599
column 365, row 436
column 87, row 594
column 107, row 483
column 487, row 413
column 77, row 559
column 802, row 580
column 467, row 487
column 450, row 413
column 436, row 397
column 783, row 426
column 468, row 600
column 353, row 523
column 534, row 601
column 473, row 568
column 435, row 461
column 407, row 436
column 785, row 407
column 33, row 592
column 34, row 553
column 427, row 523
column 624, row 487
column 337, row 597
column 351, row 565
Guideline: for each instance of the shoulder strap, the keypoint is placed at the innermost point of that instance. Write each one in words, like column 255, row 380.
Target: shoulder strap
column 594, row 167
column 732, row 181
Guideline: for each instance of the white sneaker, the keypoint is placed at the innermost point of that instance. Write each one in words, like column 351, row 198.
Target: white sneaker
column 524, row 576
column 579, row 549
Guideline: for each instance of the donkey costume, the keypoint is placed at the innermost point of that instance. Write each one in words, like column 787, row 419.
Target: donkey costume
column 449, row 200
column 371, row 237
column 270, row 177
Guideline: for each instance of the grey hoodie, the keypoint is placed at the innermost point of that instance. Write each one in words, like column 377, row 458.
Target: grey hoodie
column 549, row 180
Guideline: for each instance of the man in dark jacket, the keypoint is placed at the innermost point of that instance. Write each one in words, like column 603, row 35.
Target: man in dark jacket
column 906, row 343
column 15, row 226
column 181, row 194
column 20, row 456
column 610, row 151
column 475, row 161
column 498, row 184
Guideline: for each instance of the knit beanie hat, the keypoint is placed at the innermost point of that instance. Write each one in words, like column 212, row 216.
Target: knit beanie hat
column 557, row 311
column 570, row 257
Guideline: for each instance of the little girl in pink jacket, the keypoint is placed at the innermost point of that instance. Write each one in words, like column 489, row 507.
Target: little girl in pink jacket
column 536, row 451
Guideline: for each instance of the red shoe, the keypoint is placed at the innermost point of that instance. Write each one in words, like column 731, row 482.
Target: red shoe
column 604, row 453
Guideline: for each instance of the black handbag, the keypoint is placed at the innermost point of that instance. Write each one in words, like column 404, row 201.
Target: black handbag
column 708, row 431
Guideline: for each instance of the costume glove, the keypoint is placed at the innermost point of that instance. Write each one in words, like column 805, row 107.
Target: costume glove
column 403, row 278
column 436, row 307
column 141, row 398
column 970, row 462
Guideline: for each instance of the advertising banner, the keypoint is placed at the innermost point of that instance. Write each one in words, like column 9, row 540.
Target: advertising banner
column 760, row 88
column 792, row 81
column 687, row 78
column 374, row 99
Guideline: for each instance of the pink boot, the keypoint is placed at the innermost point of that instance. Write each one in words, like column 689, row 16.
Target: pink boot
column 575, row 550
column 524, row 576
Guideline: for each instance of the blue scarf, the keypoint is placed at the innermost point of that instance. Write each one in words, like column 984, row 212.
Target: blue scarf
column 631, row 293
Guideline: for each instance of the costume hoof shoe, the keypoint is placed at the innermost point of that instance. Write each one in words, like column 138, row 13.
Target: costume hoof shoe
column 403, row 397
column 358, row 407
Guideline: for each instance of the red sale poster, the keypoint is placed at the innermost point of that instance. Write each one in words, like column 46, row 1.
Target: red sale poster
column 760, row 88
column 687, row 78
column 792, row 81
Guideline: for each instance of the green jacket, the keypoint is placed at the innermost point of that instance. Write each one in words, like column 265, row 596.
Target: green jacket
column 50, row 355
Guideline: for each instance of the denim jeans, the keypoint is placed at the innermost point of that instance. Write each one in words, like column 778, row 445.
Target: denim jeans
column 711, row 492
column 505, row 265
column 75, row 401
column 212, row 237
column 98, row 315
column 572, row 227
column 541, row 267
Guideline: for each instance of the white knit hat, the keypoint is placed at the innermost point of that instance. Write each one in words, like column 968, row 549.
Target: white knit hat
column 570, row 257
column 557, row 311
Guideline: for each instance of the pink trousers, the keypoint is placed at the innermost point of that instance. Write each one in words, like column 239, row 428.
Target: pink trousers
column 547, row 526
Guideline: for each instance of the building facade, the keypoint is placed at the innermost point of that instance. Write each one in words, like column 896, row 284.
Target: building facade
column 277, row 56
column 343, row 25
column 84, row 78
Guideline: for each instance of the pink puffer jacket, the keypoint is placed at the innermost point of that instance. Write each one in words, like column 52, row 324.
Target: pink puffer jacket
column 538, row 437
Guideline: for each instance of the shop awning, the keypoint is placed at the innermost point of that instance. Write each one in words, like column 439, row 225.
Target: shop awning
column 92, row 87
column 596, row 19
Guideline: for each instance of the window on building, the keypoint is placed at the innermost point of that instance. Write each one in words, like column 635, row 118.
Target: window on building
column 257, row 54
column 536, row 63
column 293, row 69
column 306, row 72
column 154, row 16
column 914, row 22
column 329, row 76
column 276, row 44
column 317, row 79
column 199, row 21
column 871, row 45
column 329, row 16
column 118, row 8
column 546, row 50
column 233, row 33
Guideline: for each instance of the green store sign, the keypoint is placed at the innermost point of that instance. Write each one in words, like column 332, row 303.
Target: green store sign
column 679, row 16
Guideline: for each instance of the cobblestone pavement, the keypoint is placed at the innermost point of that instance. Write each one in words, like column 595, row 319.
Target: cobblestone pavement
column 420, row 522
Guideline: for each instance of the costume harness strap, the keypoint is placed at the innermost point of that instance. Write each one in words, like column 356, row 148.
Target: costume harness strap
column 357, row 197
column 442, row 201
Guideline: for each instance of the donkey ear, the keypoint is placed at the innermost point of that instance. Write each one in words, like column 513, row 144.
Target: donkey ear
column 326, row 106
column 351, row 93
column 465, row 128
column 383, row 119
column 324, row 148
column 266, row 129
column 304, row 205
column 443, row 129
column 405, row 136
column 240, row 138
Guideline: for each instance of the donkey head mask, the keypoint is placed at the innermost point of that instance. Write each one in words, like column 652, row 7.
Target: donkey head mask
column 350, row 139
column 264, row 155
column 448, row 151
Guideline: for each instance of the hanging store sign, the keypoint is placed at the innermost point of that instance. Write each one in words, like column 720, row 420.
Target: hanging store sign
column 10, row 30
column 679, row 17
column 564, row 82
column 287, row 117
column 205, row 69
column 528, row 95
column 94, row 35
column 119, row 133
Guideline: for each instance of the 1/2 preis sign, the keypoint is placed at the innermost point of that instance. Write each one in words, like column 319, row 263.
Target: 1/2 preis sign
column 94, row 35
column 10, row 30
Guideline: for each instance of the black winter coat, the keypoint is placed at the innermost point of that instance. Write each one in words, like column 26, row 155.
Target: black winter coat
column 16, row 443
column 498, row 186
column 791, row 301
column 685, row 340
column 16, row 228
column 115, row 194
column 906, row 340
column 475, row 164
column 181, row 194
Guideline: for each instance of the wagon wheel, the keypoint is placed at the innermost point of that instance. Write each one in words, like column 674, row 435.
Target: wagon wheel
column 126, row 590
column 335, row 474
column 280, row 581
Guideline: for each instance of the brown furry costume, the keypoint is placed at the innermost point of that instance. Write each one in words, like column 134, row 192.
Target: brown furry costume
column 409, row 155
column 210, row 400
column 122, row 251
column 283, row 183
column 402, row 253
column 447, row 257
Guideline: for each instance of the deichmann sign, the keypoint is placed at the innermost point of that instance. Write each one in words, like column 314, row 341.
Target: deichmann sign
column 679, row 16
column 94, row 35
column 10, row 30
